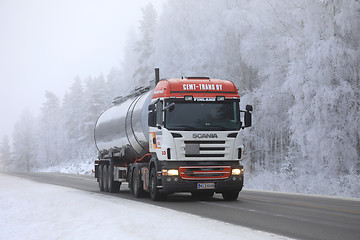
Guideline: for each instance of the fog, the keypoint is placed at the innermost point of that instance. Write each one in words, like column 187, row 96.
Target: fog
column 44, row 45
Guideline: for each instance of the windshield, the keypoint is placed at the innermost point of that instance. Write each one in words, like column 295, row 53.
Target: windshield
column 204, row 116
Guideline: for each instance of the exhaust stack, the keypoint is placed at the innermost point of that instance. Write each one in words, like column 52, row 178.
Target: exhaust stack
column 157, row 76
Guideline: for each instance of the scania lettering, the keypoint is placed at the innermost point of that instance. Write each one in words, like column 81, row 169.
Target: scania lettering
column 205, row 135
column 164, row 140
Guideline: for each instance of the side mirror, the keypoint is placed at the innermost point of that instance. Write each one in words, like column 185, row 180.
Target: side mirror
column 152, row 119
column 248, row 119
column 152, row 107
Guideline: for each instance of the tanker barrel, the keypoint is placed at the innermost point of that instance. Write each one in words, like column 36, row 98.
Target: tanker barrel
column 123, row 128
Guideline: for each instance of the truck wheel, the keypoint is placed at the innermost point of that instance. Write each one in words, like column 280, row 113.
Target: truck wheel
column 105, row 178
column 100, row 178
column 230, row 196
column 137, row 188
column 112, row 185
column 154, row 192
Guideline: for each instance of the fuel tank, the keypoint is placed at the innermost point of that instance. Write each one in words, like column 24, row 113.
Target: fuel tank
column 123, row 128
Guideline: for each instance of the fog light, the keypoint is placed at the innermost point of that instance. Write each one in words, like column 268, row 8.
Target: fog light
column 168, row 179
column 176, row 179
column 234, row 178
column 236, row 171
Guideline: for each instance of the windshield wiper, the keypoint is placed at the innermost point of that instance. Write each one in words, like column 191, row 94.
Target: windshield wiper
column 202, row 128
column 209, row 125
column 219, row 127
column 184, row 127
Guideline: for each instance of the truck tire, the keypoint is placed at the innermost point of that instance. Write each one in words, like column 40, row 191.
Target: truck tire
column 112, row 185
column 230, row 196
column 154, row 191
column 137, row 187
column 100, row 178
column 105, row 178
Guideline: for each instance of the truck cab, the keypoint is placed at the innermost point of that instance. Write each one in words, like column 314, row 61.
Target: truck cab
column 195, row 138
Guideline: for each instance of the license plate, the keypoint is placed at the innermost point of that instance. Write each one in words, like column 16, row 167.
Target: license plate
column 206, row 186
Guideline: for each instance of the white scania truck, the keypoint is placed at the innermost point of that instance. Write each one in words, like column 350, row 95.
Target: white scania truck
column 182, row 136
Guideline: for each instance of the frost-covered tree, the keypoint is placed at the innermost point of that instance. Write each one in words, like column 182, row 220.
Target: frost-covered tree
column 129, row 64
column 50, row 132
column 186, row 38
column 96, row 101
column 114, row 81
column 265, row 29
column 307, row 56
column 326, row 78
column 202, row 38
column 144, row 47
column 74, row 117
column 24, row 144
column 5, row 153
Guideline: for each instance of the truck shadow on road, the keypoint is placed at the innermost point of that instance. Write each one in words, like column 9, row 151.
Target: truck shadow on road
column 172, row 198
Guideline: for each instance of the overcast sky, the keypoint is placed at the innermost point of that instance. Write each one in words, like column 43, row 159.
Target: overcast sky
column 44, row 44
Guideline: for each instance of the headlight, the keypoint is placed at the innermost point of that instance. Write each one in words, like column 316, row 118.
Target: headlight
column 173, row 172
column 170, row 172
column 236, row 171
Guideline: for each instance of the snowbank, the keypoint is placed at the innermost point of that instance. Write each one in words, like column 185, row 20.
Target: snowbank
column 84, row 167
column 319, row 184
column 31, row 210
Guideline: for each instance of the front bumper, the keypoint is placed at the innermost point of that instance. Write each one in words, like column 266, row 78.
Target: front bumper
column 172, row 184
column 183, row 183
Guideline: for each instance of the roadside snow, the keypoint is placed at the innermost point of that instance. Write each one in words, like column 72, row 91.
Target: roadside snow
column 84, row 167
column 31, row 210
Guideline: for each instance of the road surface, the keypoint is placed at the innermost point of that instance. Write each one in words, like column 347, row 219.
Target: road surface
column 291, row 215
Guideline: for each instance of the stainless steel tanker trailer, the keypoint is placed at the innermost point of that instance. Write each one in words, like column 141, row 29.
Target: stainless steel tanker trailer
column 182, row 136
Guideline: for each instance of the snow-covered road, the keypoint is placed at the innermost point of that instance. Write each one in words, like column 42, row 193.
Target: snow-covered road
column 32, row 210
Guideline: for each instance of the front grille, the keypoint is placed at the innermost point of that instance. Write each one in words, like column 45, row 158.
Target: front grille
column 205, row 172
column 205, row 149
column 204, row 142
